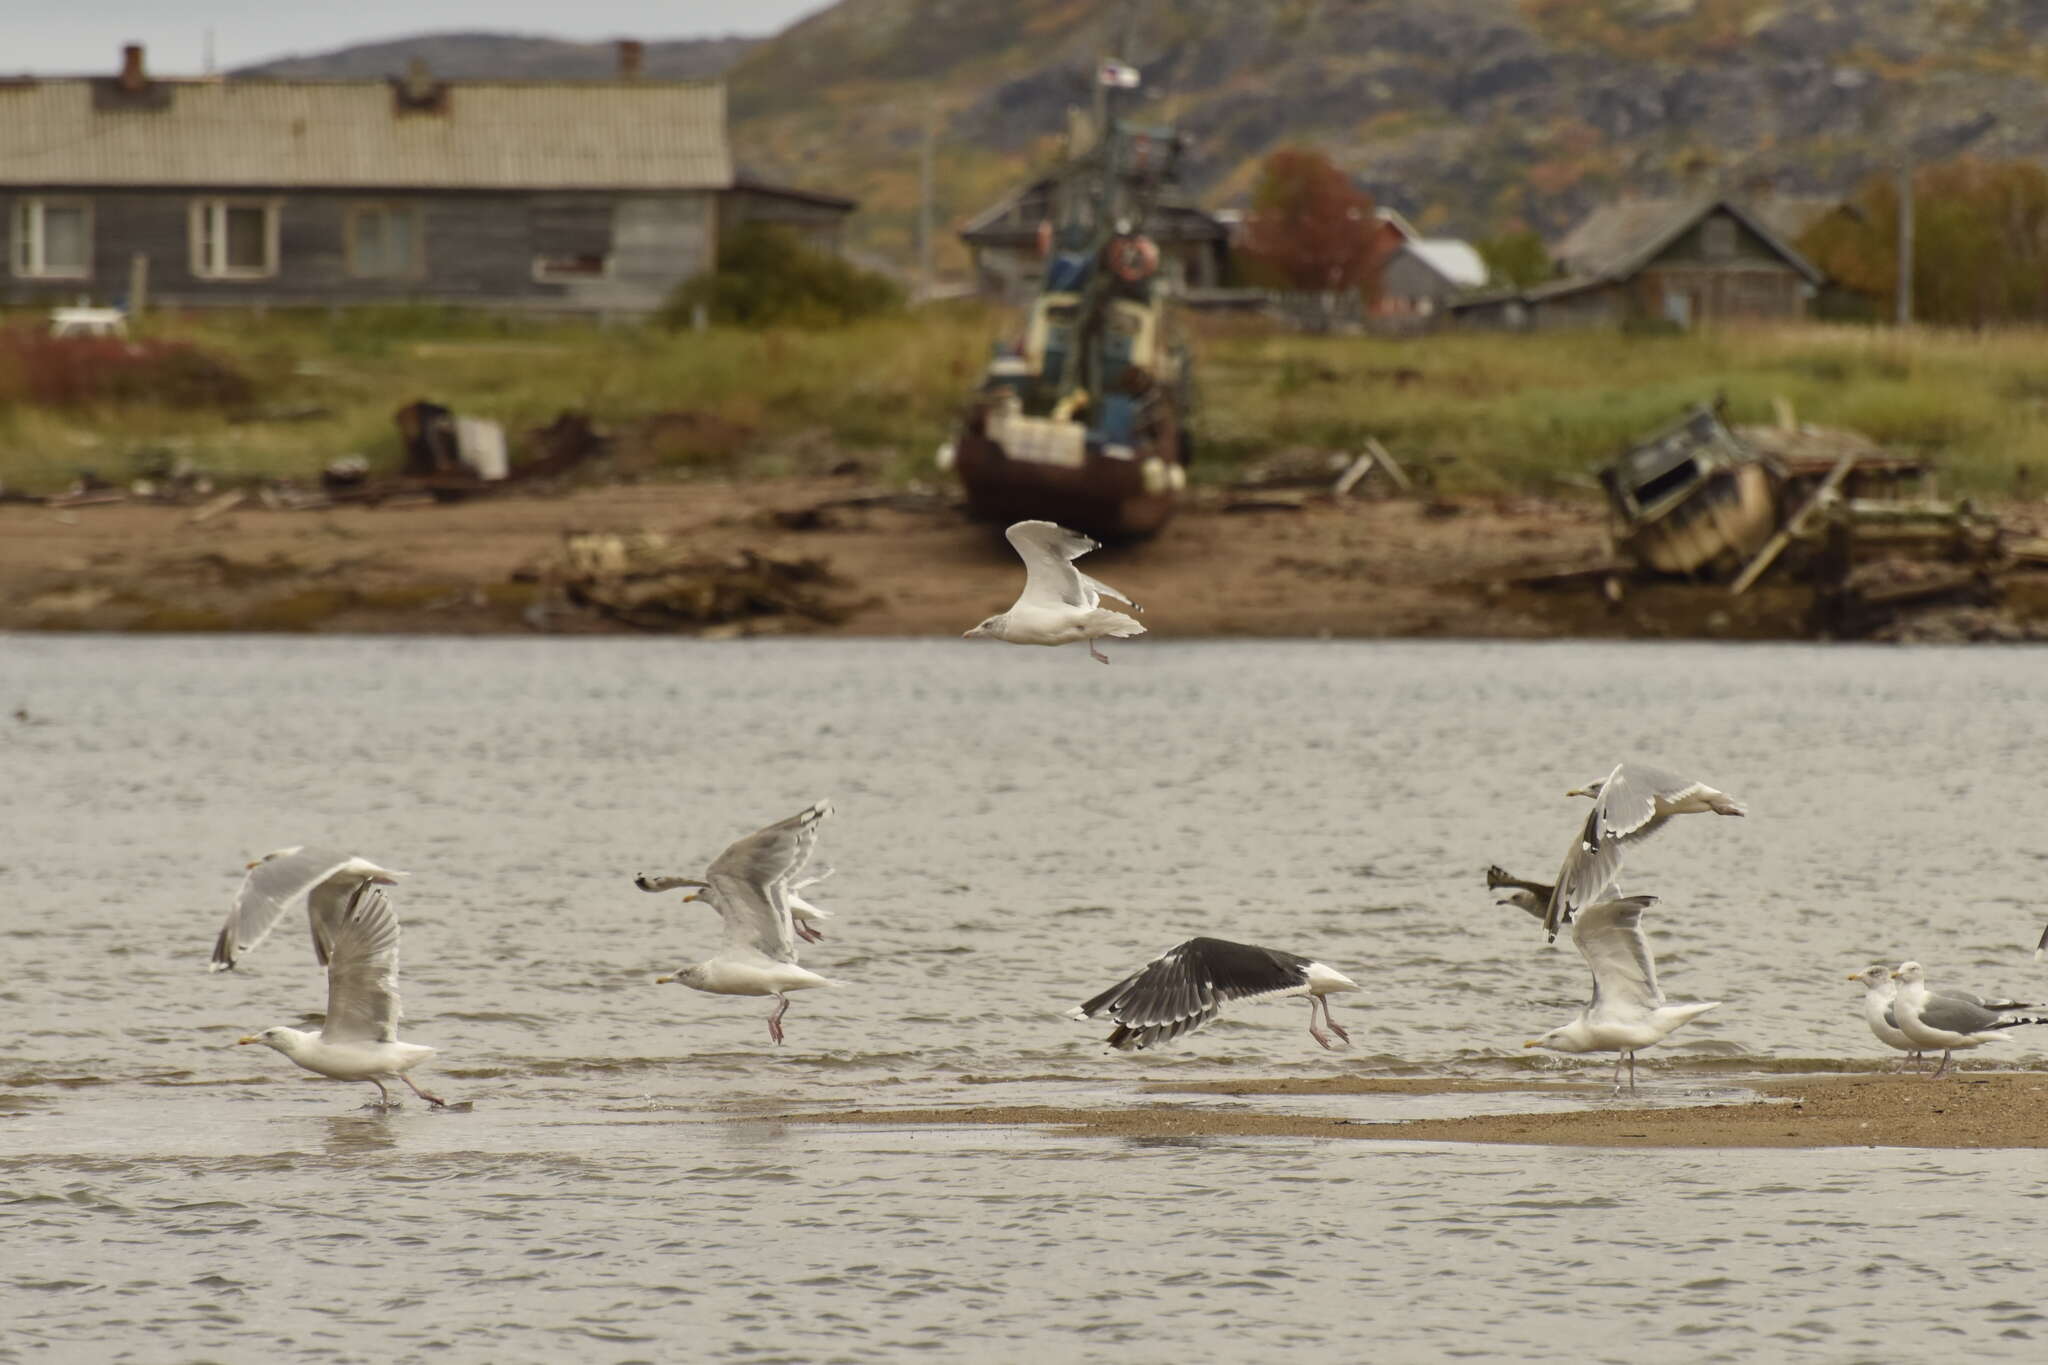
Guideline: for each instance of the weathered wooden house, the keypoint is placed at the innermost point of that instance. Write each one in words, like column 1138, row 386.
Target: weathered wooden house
column 586, row 196
column 1680, row 262
column 1007, row 245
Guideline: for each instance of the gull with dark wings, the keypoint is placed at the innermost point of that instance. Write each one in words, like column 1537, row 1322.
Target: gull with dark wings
column 750, row 886
column 1059, row 604
column 1189, row 984
column 1629, row 805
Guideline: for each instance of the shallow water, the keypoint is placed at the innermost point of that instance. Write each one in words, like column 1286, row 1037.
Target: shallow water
column 1015, row 829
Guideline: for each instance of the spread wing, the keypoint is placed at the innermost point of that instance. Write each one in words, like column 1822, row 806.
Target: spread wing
column 1048, row 552
column 1610, row 937
column 273, row 888
column 1629, row 799
column 751, row 879
column 362, row 969
column 1187, row 985
column 1590, row 866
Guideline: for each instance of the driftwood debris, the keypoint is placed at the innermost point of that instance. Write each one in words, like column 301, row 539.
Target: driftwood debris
column 648, row 582
column 1775, row 546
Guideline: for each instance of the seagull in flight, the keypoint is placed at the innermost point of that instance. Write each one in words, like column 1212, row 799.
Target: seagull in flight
column 749, row 886
column 1628, row 1011
column 1629, row 805
column 1189, row 984
column 319, row 879
column 358, row 1038
column 1059, row 604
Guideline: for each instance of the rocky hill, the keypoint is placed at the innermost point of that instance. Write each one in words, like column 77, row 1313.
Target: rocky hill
column 508, row 56
column 1472, row 116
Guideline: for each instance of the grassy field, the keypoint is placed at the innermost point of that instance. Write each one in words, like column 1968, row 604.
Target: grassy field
column 1491, row 413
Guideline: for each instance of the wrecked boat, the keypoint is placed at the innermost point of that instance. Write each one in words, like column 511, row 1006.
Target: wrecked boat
column 1084, row 419
column 1692, row 499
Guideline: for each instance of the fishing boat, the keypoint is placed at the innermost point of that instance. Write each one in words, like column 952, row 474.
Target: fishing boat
column 1083, row 418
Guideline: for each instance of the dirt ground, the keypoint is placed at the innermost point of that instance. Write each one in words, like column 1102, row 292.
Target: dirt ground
column 1227, row 566
column 1972, row 1109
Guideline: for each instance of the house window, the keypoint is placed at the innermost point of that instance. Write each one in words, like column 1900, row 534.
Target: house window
column 385, row 242
column 587, row 266
column 53, row 239
column 1717, row 237
column 234, row 239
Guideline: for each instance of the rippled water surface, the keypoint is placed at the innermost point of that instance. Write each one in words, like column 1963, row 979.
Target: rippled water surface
column 1015, row 829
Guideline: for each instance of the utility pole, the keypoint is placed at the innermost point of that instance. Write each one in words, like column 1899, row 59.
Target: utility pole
column 1904, row 315
column 927, row 281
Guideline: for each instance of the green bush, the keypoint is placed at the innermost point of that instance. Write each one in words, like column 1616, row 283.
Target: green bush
column 768, row 277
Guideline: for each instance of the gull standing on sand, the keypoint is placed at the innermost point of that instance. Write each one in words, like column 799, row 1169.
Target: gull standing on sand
column 1880, row 992
column 1189, row 984
column 1627, row 1012
column 358, row 1038
column 319, row 879
column 1629, row 805
column 1949, row 1020
column 1059, row 604
column 749, row 886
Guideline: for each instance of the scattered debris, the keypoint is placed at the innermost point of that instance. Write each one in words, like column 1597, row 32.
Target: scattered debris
column 649, row 582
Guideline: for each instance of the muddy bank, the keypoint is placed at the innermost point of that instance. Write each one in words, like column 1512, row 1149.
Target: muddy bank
column 1228, row 566
column 1973, row 1109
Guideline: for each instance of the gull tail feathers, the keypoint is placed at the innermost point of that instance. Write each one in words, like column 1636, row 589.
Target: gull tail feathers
column 1114, row 624
column 2016, row 1021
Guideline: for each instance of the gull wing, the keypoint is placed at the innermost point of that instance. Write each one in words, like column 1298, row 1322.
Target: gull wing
column 1610, row 937
column 273, row 888
column 1049, row 552
column 1953, row 1014
column 1187, row 985
column 751, row 877
column 362, row 970
column 1589, row 871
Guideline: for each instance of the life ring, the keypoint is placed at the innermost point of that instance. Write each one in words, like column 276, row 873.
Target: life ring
column 1131, row 259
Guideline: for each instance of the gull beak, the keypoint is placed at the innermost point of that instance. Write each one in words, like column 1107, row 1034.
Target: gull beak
column 1895, row 976
column 1578, row 791
column 252, row 1038
column 1534, row 1042
column 970, row 634
column 663, row 980
column 693, row 896
column 252, row 866
column 1855, row 976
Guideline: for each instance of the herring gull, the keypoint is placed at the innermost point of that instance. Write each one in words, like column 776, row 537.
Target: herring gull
column 358, row 1038
column 1880, row 992
column 1059, row 604
column 1529, row 896
column 749, row 885
column 1188, row 985
column 1628, row 1011
column 320, row 879
column 1950, row 1020
column 1629, row 805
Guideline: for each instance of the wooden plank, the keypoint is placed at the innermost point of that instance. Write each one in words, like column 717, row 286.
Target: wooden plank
column 1353, row 472
column 215, row 506
column 1775, row 546
column 1387, row 463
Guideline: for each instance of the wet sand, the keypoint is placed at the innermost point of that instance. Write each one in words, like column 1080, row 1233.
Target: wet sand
column 1969, row 1110
column 1229, row 565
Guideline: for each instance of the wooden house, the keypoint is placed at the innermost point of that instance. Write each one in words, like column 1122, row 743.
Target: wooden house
column 558, row 196
column 1683, row 263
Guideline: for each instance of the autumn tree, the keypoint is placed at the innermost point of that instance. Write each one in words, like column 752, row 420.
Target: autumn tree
column 1518, row 258
column 1309, row 227
column 1980, row 242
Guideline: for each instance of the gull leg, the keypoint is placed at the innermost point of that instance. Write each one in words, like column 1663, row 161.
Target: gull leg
column 1618, row 1058
column 1631, row 1072
column 1313, row 1031
column 384, row 1100
column 1330, row 1022
column 1097, row 654
column 1947, row 1055
column 775, row 1019
column 434, row 1100
column 805, row 932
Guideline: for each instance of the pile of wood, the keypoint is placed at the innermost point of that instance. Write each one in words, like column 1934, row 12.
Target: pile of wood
column 647, row 581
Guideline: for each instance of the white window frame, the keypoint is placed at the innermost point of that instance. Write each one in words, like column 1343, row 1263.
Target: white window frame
column 543, row 273
column 360, row 209
column 206, row 228
column 26, row 256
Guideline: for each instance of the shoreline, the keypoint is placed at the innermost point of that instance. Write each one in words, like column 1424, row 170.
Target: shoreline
column 884, row 564
column 1987, row 1109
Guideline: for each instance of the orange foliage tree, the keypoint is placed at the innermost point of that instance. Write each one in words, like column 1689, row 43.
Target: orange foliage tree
column 1309, row 227
column 1980, row 242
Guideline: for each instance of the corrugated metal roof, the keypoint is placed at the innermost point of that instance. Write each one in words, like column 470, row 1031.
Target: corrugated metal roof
column 352, row 134
column 1458, row 262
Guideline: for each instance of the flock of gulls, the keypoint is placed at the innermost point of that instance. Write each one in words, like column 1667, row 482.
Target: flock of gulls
column 755, row 885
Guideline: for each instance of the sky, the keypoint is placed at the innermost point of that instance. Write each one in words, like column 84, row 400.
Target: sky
column 73, row 37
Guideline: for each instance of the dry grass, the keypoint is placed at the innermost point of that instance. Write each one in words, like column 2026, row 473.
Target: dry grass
column 1491, row 412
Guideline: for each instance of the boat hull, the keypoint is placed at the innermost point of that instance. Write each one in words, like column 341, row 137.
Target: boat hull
column 1728, row 519
column 1109, row 497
